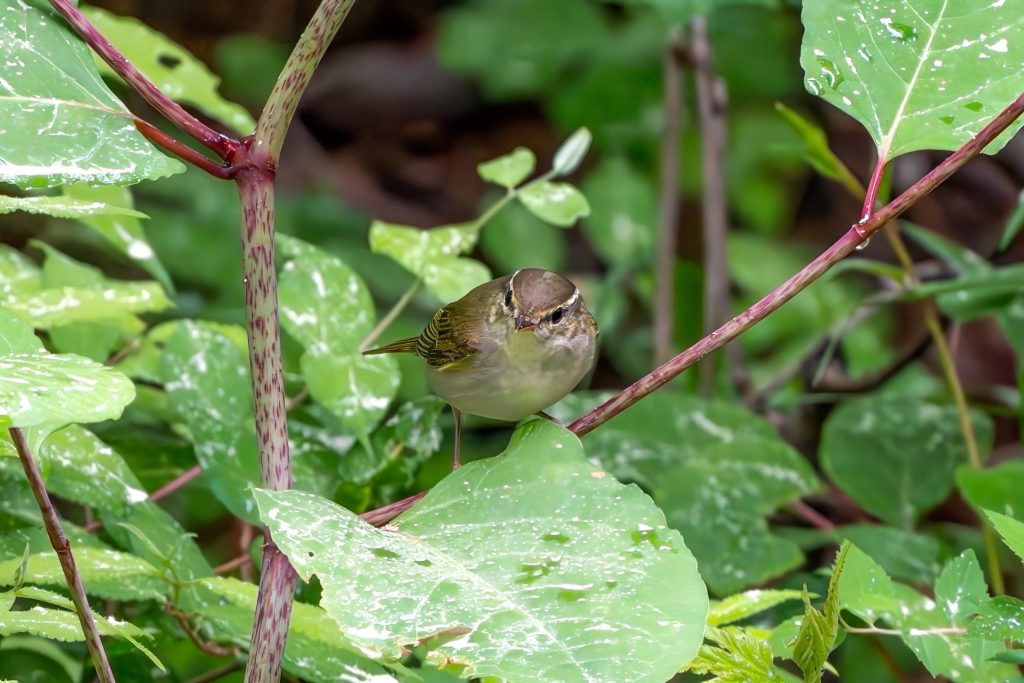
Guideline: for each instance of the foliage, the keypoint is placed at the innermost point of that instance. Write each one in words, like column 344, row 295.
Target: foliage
column 125, row 361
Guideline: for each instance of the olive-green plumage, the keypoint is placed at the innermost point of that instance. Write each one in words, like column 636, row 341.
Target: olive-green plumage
column 509, row 348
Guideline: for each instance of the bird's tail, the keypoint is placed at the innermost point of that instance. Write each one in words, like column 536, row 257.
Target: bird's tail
column 400, row 346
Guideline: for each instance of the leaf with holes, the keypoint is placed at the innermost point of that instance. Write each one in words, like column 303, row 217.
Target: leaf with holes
column 170, row 67
column 433, row 256
column 61, row 123
column 528, row 594
column 716, row 470
column 918, row 74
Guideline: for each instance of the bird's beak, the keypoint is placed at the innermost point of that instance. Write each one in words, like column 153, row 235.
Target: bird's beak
column 524, row 323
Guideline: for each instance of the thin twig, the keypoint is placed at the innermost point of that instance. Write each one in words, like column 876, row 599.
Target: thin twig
column 62, row 547
column 668, row 214
column 183, row 151
column 812, row 516
column 244, row 541
column 204, row 645
column 390, row 316
column 787, row 290
column 224, row 146
column 711, row 113
column 383, row 515
column 234, row 563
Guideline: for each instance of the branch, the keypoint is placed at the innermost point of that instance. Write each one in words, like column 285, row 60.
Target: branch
column 668, row 213
column 294, row 78
column 183, row 151
column 62, row 546
column 223, row 145
column 791, row 287
column 382, row 516
column 711, row 111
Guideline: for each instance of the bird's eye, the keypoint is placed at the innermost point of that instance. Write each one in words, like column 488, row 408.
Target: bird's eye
column 508, row 298
column 556, row 316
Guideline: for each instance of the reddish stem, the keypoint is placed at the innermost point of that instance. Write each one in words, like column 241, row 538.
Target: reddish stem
column 183, row 151
column 382, row 516
column 791, row 287
column 872, row 192
column 62, row 547
column 223, row 145
column 812, row 516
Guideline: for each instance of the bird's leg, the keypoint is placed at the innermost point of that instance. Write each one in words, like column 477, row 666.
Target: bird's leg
column 457, row 457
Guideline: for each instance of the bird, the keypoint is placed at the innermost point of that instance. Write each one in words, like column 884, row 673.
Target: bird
column 508, row 349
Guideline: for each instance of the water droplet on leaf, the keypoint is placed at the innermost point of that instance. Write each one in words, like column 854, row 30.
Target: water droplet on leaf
column 830, row 73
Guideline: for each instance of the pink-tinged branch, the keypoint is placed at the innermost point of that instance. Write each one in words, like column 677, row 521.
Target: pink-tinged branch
column 294, row 78
column 223, row 145
column 382, row 516
column 62, row 547
column 791, row 287
column 183, row 151
column 871, row 195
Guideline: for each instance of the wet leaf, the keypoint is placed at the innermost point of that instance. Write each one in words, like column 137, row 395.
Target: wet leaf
column 46, row 308
column 508, row 170
column 557, row 203
column 534, row 594
column 16, row 335
column 328, row 309
column 1010, row 530
column 903, row 554
column 64, row 207
column 920, row 74
column 817, row 635
column 716, row 470
column 735, row 656
column 744, row 605
column 433, row 256
column 1001, row 618
column 896, row 456
column 206, row 376
column 62, row 124
column 104, row 573
column 169, row 66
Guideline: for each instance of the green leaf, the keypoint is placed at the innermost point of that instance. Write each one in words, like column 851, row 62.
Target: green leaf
column 206, row 377
column 716, row 470
column 737, row 656
column 1013, row 224
column 896, row 456
column 817, row 635
column 104, row 573
column 817, row 151
column 621, row 225
column 64, row 207
column 921, row 75
column 747, row 604
column 956, row 256
column 1011, row 531
column 62, row 124
column 433, row 256
column 328, row 309
column 170, row 67
column 515, row 239
column 47, row 308
column 570, row 155
column 534, row 594
column 557, row 203
column 53, row 390
column 997, row 488
column 122, row 231
column 316, row 650
column 508, row 170
column 902, row 554
column 1001, row 618
column 16, row 335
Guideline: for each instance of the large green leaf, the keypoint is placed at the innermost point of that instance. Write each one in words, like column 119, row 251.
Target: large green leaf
column 583, row 582
column 61, row 123
column 206, row 376
column 64, row 207
column 998, row 488
column 105, row 573
column 433, row 256
column 316, row 649
column 56, row 389
column 716, row 470
column 328, row 309
column 170, row 67
column 896, row 456
column 918, row 74
column 46, row 308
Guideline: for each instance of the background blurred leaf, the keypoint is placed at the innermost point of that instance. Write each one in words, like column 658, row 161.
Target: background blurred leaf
column 557, row 203
column 997, row 488
column 515, row 239
column 895, row 456
column 1011, row 531
column 623, row 214
column 922, row 75
column 169, row 66
column 62, row 123
column 537, row 580
column 508, row 170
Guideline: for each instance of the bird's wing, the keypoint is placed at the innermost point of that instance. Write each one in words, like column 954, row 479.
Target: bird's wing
column 445, row 342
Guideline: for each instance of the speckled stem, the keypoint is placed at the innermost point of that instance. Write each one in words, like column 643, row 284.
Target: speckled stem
column 273, row 606
column 791, row 287
column 62, row 546
column 224, row 146
column 284, row 98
